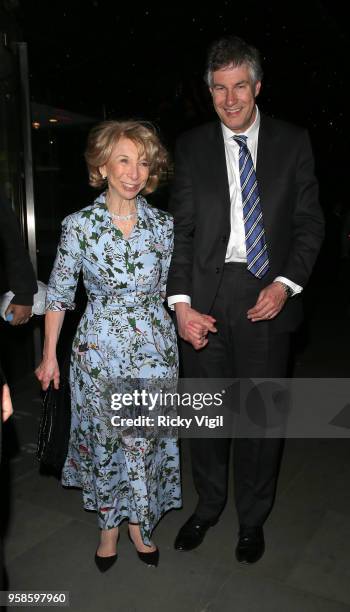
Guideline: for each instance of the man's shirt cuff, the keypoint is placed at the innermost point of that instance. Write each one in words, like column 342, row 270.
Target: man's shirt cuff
column 294, row 287
column 174, row 299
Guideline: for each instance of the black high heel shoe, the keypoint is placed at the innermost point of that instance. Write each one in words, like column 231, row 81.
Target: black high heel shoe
column 105, row 563
column 151, row 559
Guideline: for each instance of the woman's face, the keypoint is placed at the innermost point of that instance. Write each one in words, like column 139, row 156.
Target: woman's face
column 127, row 172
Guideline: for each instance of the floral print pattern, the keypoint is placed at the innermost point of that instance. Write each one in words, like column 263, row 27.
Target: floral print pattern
column 124, row 333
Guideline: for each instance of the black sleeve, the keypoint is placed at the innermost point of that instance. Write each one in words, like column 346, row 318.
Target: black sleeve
column 17, row 270
column 308, row 221
column 181, row 206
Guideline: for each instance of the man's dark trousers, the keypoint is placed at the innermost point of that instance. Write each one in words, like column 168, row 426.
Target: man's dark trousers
column 240, row 349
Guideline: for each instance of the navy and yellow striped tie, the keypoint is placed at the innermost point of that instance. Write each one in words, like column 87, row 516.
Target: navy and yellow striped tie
column 257, row 257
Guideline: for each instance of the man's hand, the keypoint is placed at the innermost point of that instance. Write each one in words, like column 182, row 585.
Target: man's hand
column 21, row 314
column 270, row 302
column 194, row 326
column 6, row 404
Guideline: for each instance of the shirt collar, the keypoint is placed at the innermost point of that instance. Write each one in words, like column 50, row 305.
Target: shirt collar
column 251, row 132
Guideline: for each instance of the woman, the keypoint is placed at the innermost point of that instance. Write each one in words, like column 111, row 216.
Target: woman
column 123, row 247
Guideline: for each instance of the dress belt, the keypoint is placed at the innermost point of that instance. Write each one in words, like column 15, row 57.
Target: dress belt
column 124, row 302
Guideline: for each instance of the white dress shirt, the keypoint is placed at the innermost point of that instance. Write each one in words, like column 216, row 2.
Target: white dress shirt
column 236, row 247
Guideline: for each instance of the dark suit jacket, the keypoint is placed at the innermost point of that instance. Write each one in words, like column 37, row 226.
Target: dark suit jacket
column 16, row 271
column 200, row 203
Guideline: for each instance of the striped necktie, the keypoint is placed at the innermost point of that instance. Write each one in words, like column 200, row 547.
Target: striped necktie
column 257, row 257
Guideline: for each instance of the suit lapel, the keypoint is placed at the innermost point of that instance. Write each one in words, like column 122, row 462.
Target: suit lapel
column 217, row 167
column 266, row 158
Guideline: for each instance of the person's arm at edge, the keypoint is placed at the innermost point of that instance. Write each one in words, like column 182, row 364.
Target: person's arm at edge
column 18, row 267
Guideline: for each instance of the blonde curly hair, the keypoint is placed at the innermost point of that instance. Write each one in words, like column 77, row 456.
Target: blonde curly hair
column 104, row 136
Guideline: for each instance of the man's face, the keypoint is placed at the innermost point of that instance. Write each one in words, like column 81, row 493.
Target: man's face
column 234, row 95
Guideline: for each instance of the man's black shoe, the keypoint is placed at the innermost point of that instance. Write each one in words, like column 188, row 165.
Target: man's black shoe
column 251, row 545
column 192, row 533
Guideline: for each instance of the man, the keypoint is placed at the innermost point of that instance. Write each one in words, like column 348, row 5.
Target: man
column 248, row 228
column 17, row 275
column 16, row 271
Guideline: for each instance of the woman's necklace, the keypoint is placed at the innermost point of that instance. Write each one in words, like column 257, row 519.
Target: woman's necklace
column 117, row 217
column 123, row 217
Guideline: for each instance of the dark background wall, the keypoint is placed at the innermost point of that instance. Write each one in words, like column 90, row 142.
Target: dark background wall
column 108, row 59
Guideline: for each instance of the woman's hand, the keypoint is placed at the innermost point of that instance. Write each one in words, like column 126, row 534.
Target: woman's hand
column 46, row 371
column 6, row 403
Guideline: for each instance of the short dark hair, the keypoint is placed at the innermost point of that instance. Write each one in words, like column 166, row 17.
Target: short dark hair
column 232, row 50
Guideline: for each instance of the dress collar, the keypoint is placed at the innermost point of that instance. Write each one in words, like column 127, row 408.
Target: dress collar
column 100, row 203
column 142, row 216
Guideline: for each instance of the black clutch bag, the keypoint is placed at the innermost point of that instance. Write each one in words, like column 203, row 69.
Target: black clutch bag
column 54, row 428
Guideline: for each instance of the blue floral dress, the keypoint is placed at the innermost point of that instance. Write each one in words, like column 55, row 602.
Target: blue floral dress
column 124, row 333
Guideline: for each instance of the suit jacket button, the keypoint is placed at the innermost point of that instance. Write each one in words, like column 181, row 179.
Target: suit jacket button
column 224, row 238
column 217, row 270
